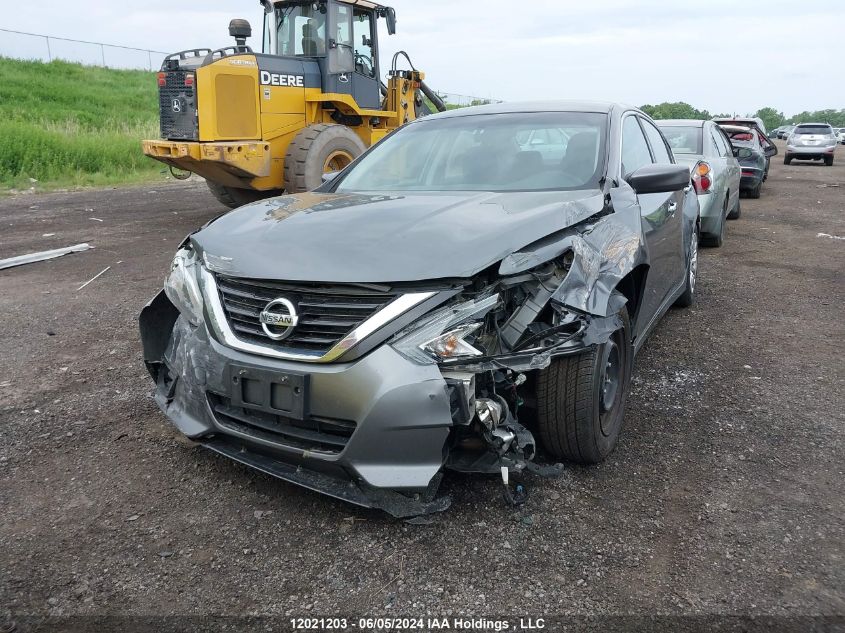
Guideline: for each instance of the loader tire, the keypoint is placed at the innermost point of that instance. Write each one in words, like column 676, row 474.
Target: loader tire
column 234, row 197
column 316, row 150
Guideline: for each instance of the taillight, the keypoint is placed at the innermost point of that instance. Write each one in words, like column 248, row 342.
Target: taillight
column 701, row 177
column 162, row 80
column 189, row 80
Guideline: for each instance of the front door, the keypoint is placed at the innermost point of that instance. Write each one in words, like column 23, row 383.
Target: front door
column 353, row 45
column 660, row 215
column 365, row 81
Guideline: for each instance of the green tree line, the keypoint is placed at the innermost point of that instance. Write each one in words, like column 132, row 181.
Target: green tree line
column 771, row 116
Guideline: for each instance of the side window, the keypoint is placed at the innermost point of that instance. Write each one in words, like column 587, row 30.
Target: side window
column 635, row 152
column 363, row 43
column 658, row 145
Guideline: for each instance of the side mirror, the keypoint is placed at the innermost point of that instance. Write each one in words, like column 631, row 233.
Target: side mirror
column 662, row 178
column 390, row 17
column 743, row 153
column 329, row 176
column 770, row 150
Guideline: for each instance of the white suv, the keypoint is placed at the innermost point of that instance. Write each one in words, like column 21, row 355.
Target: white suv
column 811, row 141
column 841, row 136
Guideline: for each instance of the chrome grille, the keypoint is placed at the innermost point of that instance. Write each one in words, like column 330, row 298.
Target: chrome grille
column 326, row 313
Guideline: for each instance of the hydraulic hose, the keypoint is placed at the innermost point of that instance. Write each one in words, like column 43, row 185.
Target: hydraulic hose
column 433, row 97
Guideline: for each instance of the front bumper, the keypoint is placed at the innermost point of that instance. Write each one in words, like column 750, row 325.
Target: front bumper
column 395, row 415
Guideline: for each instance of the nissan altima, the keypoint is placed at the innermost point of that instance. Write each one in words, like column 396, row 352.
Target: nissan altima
column 459, row 298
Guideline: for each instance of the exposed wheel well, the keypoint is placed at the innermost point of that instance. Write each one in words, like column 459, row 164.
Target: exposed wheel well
column 632, row 286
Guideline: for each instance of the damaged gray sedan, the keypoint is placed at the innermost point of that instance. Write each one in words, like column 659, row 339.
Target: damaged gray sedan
column 468, row 295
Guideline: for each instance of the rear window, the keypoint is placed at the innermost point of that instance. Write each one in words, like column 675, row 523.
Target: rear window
column 741, row 136
column 813, row 129
column 683, row 140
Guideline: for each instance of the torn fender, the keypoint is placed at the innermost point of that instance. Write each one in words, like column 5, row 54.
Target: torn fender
column 604, row 249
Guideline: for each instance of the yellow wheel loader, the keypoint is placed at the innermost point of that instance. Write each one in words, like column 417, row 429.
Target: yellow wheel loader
column 258, row 124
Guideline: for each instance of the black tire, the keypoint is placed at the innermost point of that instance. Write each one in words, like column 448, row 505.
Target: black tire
column 828, row 160
column 718, row 239
column 688, row 296
column 581, row 399
column 313, row 149
column 234, row 197
column 755, row 192
column 787, row 159
column 736, row 211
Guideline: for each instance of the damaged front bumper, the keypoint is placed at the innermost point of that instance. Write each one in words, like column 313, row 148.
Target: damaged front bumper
column 375, row 432
column 371, row 432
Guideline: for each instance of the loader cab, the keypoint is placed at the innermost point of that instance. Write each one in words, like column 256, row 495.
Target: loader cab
column 340, row 35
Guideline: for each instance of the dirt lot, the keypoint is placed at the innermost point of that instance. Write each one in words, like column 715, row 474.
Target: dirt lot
column 725, row 495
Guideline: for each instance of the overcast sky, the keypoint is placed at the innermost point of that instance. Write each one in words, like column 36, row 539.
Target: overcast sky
column 722, row 55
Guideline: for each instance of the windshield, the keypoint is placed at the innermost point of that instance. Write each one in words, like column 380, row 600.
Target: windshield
column 495, row 152
column 813, row 129
column 301, row 29
column 683, row 140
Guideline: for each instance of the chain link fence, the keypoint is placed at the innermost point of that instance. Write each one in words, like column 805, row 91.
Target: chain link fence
column 23, row 45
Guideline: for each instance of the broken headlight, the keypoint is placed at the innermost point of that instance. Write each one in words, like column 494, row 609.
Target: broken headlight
column 444, row 334
column 182, row 287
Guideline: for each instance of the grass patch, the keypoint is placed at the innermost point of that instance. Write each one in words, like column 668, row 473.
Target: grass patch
column 66, row 124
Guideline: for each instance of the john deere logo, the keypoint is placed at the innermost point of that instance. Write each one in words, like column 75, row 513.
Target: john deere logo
column 278, row 319
column 177, row 105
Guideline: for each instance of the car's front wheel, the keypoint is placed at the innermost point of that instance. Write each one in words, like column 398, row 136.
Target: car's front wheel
column 581, row 399
column 787, row 159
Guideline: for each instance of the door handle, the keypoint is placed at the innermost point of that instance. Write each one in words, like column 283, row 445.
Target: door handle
column 673, row 206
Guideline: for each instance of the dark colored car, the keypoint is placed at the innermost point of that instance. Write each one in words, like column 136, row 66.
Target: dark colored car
column 753, row 162
column 449, row 300
column 785, row 131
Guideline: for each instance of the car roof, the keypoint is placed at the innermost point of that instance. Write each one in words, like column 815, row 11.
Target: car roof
column 736, row 128
column 573, row 105
column 813, row 125
column 684, row 122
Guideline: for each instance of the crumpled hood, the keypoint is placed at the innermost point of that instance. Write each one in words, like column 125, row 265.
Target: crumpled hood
column 353, row 237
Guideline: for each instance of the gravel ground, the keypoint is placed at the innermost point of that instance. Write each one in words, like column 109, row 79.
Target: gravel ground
column 724, row 496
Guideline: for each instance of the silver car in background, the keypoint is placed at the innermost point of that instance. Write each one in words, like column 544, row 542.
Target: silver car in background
column 811, row 141
column 715, row 171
